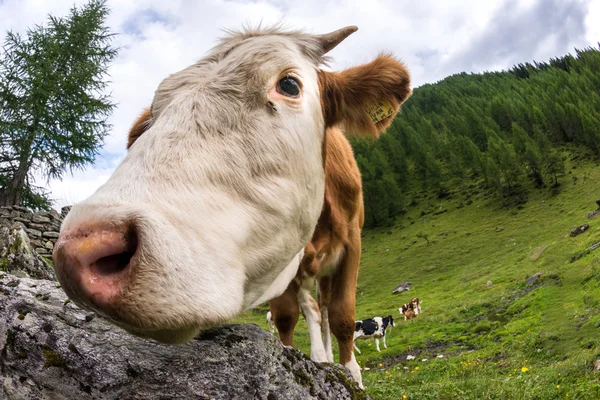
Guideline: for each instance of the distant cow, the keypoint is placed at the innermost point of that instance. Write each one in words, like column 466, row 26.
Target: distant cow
column 409, row 315
column 413, row 306
column 373, row 328
column 270, row 322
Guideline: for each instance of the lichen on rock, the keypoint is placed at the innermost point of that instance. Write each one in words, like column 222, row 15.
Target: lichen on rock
column 17, row 256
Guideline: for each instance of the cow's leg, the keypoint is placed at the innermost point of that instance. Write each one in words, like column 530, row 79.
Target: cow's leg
column 310, row 309
column 285, row 311
column 356, row 348
column 342, row 308
column 324, row 299
column 377, row 344
column 384, row 344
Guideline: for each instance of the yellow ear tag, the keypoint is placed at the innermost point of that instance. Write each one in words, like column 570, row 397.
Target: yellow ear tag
column 380, row 111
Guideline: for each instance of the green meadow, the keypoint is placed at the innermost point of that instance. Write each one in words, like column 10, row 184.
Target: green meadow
column 475, row 340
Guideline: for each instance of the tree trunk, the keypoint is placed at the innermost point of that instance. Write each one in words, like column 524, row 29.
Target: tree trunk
column 11, row 195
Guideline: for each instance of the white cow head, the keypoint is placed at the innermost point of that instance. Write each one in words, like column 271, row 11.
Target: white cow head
column 222, row 185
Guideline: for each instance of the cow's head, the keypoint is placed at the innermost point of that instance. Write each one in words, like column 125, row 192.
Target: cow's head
column 416, row 305
column 222, row 185
column 390, row 321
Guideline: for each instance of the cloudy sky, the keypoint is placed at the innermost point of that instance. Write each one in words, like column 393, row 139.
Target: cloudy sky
column 435, row 38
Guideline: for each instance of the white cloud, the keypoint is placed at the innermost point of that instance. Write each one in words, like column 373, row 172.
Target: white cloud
column 434, row 38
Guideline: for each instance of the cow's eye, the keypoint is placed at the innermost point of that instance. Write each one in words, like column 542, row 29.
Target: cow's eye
column 289, row 87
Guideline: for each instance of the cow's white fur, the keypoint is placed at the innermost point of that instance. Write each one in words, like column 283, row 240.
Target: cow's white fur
column 354, row 369
column 223, row 191
column 311, row 313
column 270, row 322
column 326, row 333
column 330, row 261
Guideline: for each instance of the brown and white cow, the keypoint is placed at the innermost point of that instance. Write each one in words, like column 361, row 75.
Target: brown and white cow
column 411, row 309
column 223, row 186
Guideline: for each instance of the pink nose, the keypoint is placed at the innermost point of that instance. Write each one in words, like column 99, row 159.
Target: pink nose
column 94, row 265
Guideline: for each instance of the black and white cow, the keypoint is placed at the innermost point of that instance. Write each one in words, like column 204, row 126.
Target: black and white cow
column 373, row 328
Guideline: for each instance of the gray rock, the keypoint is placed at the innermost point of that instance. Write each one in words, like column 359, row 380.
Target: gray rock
column 49, row 245
column 402, row 287
column 17, row 255
column 50, row 350
column 64, row 211
column 53, row 214
column 34, row 233
column 488, row 283
column 579, row 230
column 26, row 221
column 532, row 280
column 50, row 235
column 19, row 225
column 38, row 227
column 39, row 219
column 22, row 209
column 593, row 214
column 36, row 242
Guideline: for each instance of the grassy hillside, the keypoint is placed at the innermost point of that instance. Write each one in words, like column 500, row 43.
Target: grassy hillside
column 503, row 341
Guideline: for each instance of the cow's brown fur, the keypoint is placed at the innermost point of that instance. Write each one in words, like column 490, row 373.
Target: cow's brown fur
column 139, row 126
column 346, row 94
column 345, row 97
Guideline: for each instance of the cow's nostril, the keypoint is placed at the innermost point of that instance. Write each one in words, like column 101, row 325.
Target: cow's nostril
column 114, row 263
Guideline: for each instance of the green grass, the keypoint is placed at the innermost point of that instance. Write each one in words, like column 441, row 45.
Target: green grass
column 487, row 334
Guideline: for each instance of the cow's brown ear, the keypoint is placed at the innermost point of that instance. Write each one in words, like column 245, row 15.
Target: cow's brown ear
column 139, row 127
column 366, row 98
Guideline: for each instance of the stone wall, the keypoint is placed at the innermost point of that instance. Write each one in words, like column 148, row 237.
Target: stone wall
column 41, row 227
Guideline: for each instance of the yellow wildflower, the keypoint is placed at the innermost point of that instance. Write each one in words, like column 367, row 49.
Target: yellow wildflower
column 558, row 386
column 404, row 396
column 524, row 369
column 381, row 365
column 417, row 368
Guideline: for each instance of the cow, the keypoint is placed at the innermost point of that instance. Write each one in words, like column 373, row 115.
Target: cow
column 270, row 322
column 224, row 185
column 373, row 328
column 331, row 259
column 413, row 306
column 416, row 305
column 410, row 314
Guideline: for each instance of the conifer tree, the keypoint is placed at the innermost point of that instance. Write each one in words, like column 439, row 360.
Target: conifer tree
column 53, row 104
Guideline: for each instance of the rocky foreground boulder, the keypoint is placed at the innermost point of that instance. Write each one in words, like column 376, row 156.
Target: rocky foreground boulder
column 51, row 349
